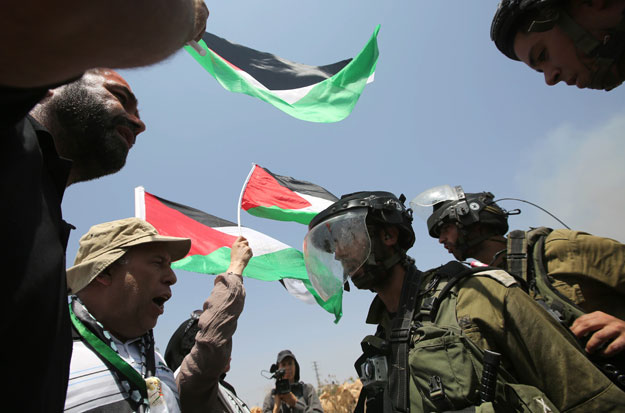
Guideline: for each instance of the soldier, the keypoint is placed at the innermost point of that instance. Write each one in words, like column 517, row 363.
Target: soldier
column 578, row 277
column 575, row 41
column 434, row 327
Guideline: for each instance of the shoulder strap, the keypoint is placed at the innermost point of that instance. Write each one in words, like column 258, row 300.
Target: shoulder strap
column 557, row 304
column 435, row 302
column 516, row 256
column 360, row 404
column 399, row 391
column 519, row 248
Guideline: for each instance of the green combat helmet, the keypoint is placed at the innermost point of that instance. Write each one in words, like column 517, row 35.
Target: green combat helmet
column 342, row 239
column 514, row 16
column 443, row 204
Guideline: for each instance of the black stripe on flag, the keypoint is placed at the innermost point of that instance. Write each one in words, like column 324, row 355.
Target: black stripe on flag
column 197, row 215
column 275, row 73
column 303, row 187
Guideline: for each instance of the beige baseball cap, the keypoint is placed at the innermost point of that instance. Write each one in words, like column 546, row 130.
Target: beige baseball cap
column 107, row 242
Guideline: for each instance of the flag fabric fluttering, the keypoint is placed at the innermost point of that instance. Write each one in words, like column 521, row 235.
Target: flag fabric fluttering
column 283, row 198
column 312, row 93
column 211, row 238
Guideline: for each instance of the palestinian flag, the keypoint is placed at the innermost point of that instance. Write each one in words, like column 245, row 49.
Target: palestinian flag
column 312, row 93
column 283, row 198
column 211, row 238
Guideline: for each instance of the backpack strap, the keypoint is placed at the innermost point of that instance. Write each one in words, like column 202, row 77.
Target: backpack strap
column 563, row 309
column 519, row 247
column 525, row 259
column 516, row 257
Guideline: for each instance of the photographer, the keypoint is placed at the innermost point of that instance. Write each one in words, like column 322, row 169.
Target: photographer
column 290, row 394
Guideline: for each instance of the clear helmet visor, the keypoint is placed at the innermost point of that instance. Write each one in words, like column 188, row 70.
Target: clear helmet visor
column 423, row 204
column 335, row 249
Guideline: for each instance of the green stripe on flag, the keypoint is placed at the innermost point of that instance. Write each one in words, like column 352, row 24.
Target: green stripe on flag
column 329, row 101
column 334, row 305
column 216, row 262
column 279, row 214
column 286, row 263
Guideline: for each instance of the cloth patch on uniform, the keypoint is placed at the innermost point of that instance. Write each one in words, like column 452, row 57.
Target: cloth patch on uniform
column 499, row 275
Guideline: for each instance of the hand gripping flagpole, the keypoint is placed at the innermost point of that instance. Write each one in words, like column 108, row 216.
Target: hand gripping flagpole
column 241, row 197
column 196, row 46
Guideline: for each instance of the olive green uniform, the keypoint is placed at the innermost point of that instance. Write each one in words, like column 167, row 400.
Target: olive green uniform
column 535, row 349
column 588, row 270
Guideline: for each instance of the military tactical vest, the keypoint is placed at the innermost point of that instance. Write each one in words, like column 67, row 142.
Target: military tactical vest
column 444, row 367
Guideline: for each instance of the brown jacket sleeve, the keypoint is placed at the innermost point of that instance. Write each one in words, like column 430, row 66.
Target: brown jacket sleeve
column 200, row 370
column 535, row 348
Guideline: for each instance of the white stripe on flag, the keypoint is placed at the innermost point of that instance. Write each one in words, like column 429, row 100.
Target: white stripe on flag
column 290, row 96
column 259, row 242
column 297, row 289
column 317, row 204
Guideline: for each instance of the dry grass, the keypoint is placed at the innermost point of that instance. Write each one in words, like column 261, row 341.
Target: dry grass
column 340, row 398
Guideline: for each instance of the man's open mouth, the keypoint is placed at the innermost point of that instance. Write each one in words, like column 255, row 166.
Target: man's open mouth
column 160, row 300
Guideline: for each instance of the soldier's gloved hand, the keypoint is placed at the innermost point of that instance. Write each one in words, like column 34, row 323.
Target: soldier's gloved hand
column 604, row 328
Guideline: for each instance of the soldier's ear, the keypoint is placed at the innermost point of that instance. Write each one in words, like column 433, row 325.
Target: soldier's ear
column 390, row 235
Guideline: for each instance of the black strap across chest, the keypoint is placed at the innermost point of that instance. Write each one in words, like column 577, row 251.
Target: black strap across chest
column 399, row 338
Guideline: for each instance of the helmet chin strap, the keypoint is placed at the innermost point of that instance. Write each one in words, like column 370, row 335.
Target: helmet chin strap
column 375, row 273
column 464, row 243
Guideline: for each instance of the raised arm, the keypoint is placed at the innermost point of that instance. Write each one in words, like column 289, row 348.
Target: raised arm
column 201, row 368
column 45, row 42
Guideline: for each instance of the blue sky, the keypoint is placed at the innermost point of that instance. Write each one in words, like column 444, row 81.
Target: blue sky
column 445, row 108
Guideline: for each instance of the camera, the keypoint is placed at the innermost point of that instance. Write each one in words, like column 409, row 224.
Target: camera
column 374, row 372
column 282, row 384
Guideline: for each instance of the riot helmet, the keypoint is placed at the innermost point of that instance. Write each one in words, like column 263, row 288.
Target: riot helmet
column 342, row 239
column 513, row 16
column 443, row 204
